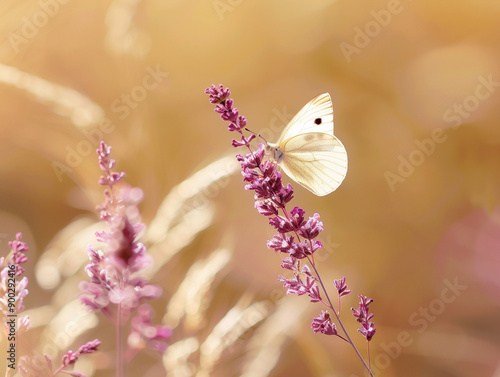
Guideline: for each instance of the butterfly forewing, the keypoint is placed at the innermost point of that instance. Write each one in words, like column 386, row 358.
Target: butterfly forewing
column 315, row 116
column 317, row 161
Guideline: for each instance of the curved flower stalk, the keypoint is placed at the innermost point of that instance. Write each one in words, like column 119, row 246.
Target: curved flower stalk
column 296, row 235
column 27, row 368
column 118, row 287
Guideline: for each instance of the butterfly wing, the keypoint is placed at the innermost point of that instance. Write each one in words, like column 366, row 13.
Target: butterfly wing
column 317, row 161
column 315, row 116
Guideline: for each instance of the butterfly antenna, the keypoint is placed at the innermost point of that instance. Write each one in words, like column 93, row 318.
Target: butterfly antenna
column 259, row 135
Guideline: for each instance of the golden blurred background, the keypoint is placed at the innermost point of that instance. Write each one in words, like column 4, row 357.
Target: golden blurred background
column 415, row 225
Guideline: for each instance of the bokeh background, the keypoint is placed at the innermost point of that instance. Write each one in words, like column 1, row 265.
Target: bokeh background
column 415, row 86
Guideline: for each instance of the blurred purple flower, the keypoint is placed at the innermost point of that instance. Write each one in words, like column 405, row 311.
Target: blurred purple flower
column 117, row 283
column 9, row 275
column 71, row 357
column 29, row 368
column 10, row 272
column 144, row 334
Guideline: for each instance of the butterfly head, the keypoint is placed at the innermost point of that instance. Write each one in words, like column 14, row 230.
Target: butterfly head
column 274, row 152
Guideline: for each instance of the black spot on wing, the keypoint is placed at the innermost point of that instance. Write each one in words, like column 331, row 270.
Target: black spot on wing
column 318, row 121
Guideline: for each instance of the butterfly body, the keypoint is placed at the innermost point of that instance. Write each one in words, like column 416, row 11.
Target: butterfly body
column 307, row 150
column 275, row 152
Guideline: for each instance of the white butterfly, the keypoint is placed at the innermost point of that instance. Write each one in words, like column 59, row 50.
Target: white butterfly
column 308, row 152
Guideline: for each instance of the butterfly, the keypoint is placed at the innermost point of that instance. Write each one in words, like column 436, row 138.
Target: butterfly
column 307, row 150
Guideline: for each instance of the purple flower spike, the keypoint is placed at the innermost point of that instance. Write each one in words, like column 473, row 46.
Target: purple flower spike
column 118, row 285
column 296, row 236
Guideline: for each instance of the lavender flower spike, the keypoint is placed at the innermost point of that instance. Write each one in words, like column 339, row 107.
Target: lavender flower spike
column 296, row 236
column 118, row 286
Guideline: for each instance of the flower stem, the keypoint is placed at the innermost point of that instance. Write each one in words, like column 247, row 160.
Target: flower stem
column 368, row 352
column 120, row 365
column 311, row 261
column 340, row 322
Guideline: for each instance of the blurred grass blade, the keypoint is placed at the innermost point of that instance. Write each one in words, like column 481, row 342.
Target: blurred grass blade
column 264, row 348
column 192, row 295
column 65, row 101
column 177, row 202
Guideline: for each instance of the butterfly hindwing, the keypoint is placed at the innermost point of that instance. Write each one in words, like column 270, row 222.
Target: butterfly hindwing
column 315, row 116
column 317, row 161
